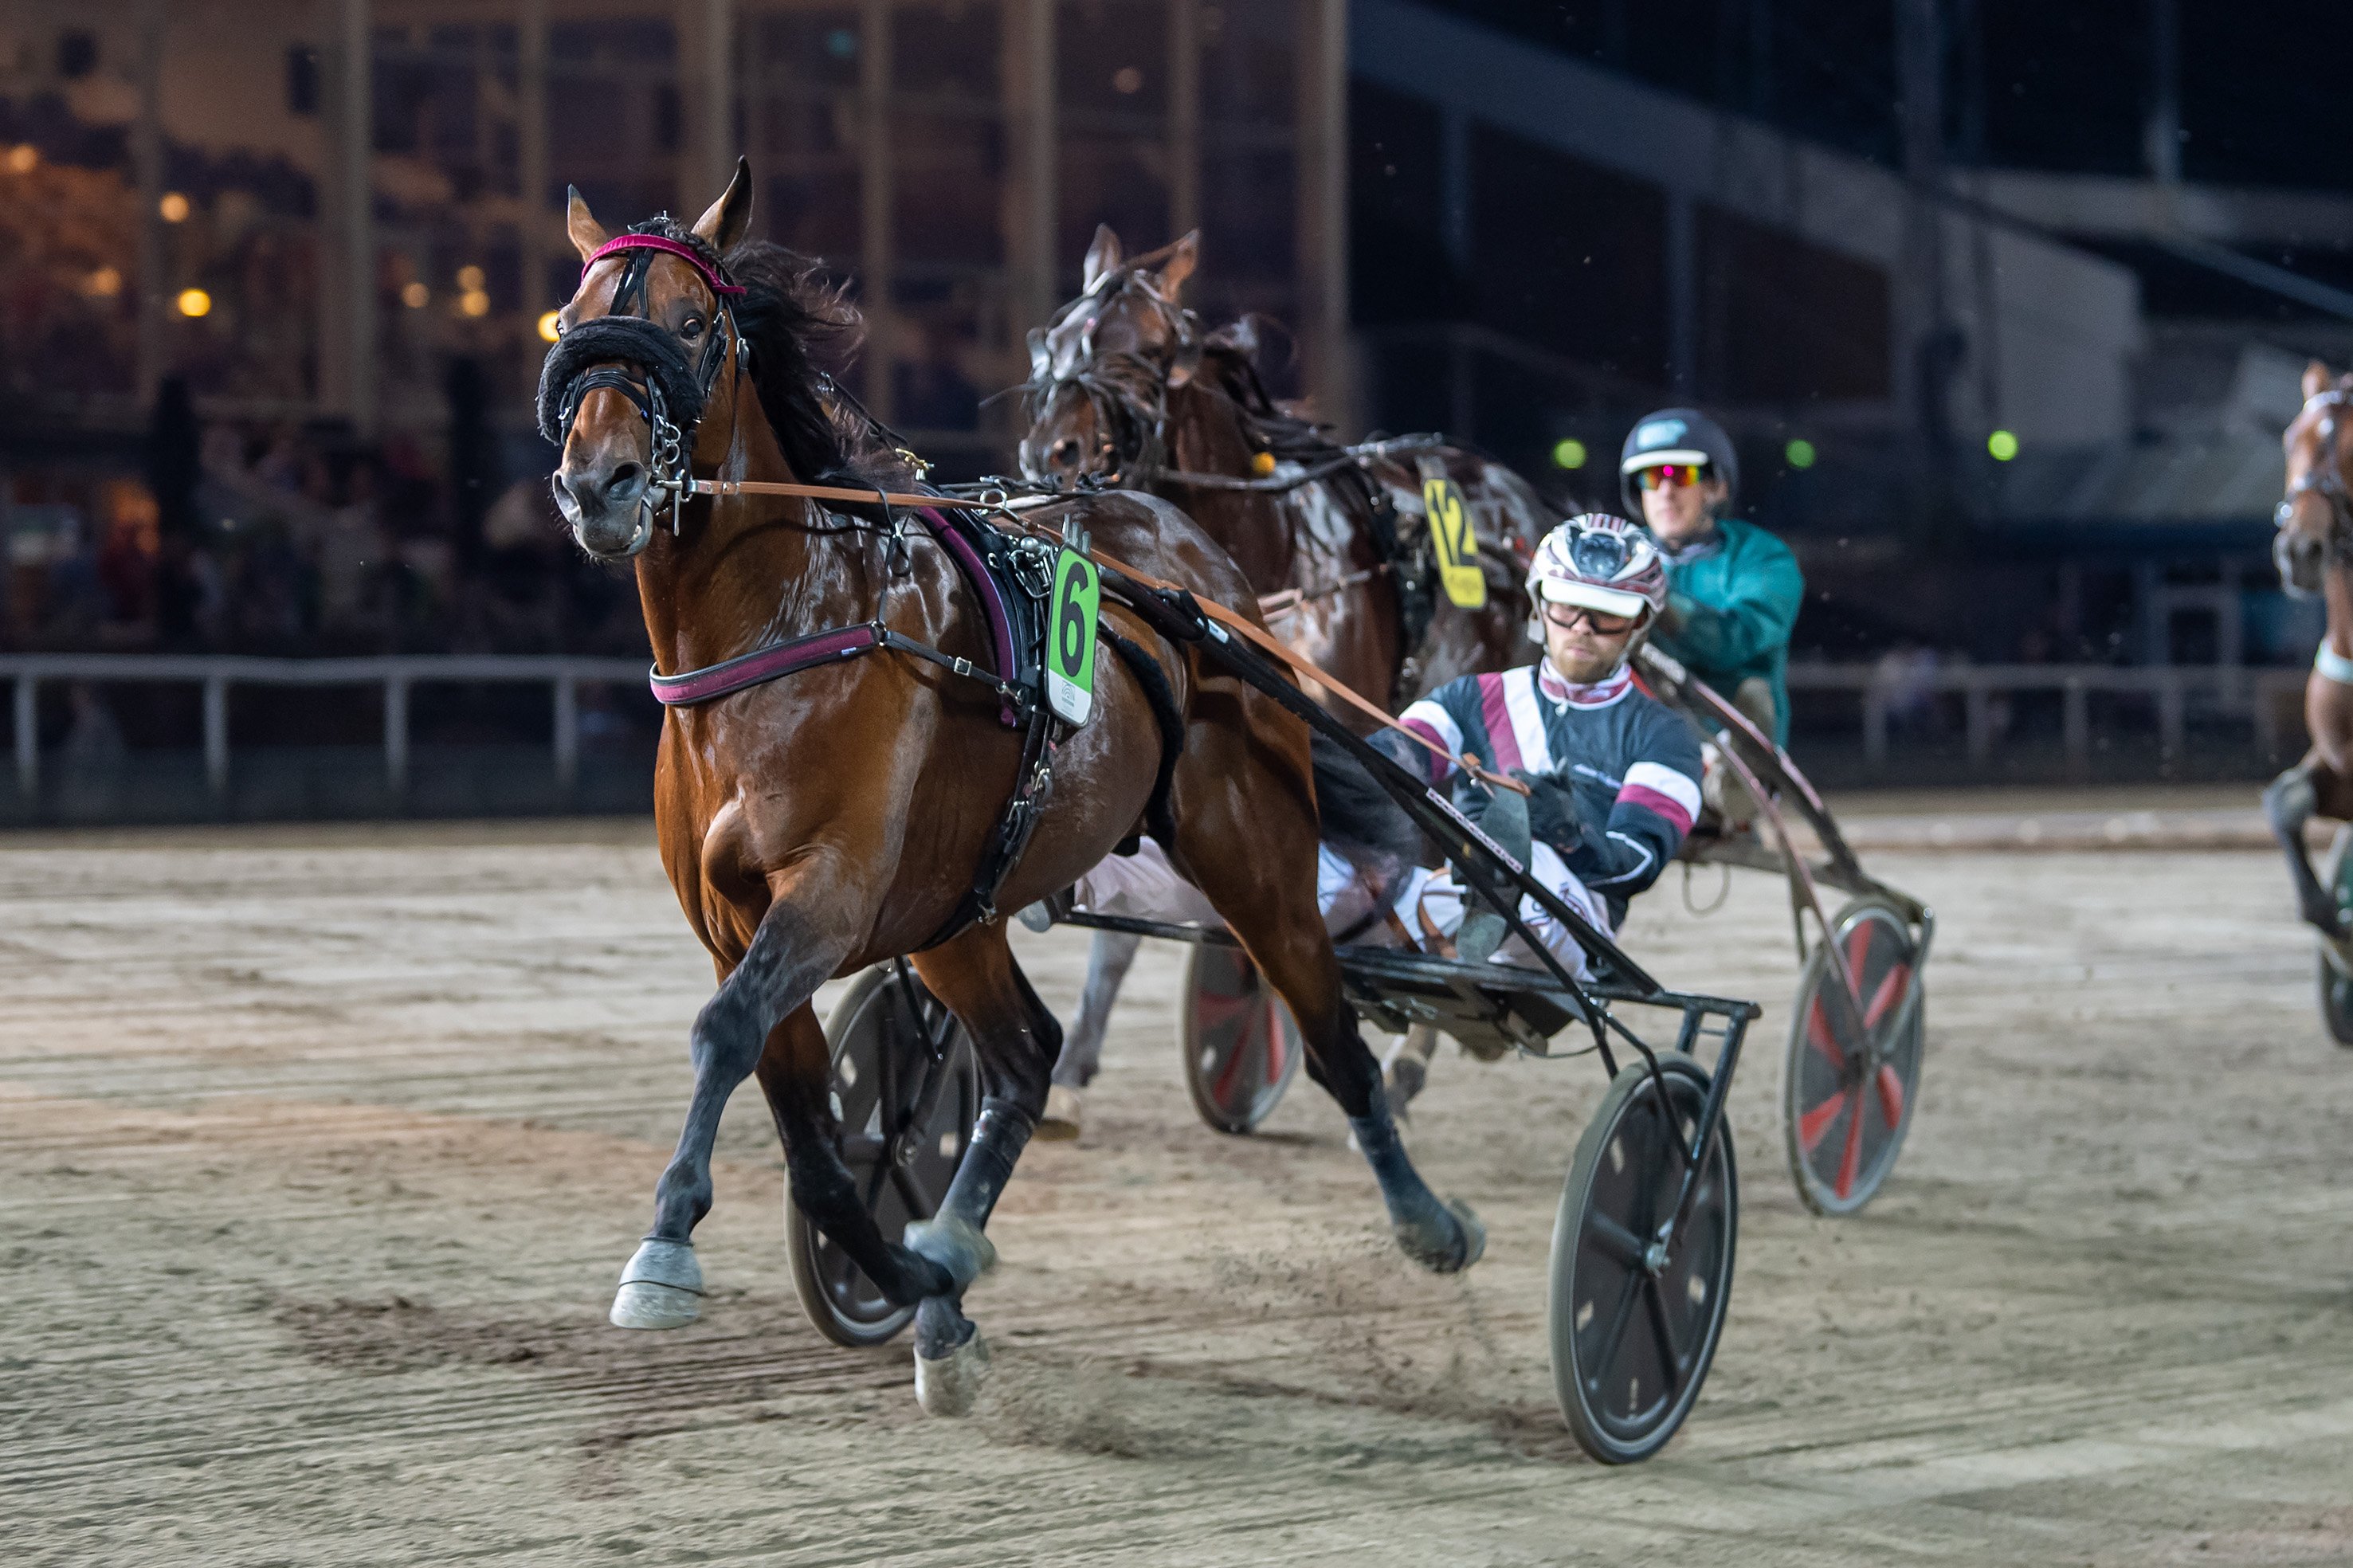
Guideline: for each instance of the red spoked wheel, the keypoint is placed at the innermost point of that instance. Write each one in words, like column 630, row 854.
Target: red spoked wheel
column 1853, row 1070
column 1242, row 1047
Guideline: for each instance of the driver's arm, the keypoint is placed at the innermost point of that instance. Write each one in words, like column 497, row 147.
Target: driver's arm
column 1654, row 807
column 1757, row 616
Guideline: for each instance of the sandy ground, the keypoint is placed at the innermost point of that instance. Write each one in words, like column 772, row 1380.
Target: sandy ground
column 320, row 1150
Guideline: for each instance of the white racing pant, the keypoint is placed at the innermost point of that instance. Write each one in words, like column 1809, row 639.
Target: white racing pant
column 1145, row 886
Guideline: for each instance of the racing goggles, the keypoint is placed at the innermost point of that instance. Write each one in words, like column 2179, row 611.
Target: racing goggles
column 1666, row 475
column 1566, row 615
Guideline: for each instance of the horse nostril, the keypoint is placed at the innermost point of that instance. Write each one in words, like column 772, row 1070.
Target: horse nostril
column 627, row 483
column 1065, row 453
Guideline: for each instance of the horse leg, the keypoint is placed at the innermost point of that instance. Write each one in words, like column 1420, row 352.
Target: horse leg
column 2292, row 800
column 795, row 1075
column 1108, row 962
column 1249, row 842
column 789, row 956
column 1016, row 1041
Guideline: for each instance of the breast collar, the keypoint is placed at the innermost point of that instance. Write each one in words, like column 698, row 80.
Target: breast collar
column 1601, row 694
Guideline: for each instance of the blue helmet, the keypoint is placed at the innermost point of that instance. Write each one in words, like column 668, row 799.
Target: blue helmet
column 1676, row 435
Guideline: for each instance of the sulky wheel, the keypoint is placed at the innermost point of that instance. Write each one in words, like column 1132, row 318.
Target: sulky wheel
column 1638, row 1292
column 1853, row 1072
column 1240, row 1045
column 905, row 1113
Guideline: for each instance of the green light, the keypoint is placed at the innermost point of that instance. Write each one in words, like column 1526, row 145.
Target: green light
column 1799, row 454
column 1569, row 453
column 2002, row 444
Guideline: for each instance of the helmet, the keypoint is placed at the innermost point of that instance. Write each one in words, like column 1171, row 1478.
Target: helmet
column 1601, row 562
column 1675, row 436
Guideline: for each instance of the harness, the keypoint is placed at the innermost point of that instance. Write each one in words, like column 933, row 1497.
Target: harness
column 2325, row 478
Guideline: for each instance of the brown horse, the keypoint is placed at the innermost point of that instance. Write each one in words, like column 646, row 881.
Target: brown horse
column 2315, row 550
column 818, row 823
column 1125, row 385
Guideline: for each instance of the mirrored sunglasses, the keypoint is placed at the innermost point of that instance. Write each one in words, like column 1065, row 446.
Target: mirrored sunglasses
column 1667, row 475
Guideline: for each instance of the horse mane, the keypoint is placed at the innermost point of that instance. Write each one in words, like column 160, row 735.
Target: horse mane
column 1230, row 365
column 789, row 310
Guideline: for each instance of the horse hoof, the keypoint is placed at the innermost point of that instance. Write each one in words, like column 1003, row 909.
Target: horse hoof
column 955, row 1245
column 1442, row 1252
column 1064, row 1107
column 950, row 1384
column 661, row 1288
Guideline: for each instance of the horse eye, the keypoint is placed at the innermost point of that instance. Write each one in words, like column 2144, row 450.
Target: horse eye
column 694, row 328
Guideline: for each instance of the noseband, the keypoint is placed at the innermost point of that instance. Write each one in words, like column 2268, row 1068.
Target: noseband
column 673, row 392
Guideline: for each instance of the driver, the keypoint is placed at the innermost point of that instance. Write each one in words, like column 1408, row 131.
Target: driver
column 1613, row 774
column 1732, row 589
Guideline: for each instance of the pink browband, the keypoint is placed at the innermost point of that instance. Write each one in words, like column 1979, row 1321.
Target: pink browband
column 685, row 253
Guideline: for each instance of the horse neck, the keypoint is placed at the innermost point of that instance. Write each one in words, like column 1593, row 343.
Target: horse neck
column 1205, row 436
column 742, row 570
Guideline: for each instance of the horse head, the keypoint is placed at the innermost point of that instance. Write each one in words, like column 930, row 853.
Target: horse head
column 2315, row 516
column 1099, row 374
column 634, row 390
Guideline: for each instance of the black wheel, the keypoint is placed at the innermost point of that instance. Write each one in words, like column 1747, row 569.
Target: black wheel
column 901, row 1153
column 1853, row 1072
column 1635, row 1321
column 1242, row 1047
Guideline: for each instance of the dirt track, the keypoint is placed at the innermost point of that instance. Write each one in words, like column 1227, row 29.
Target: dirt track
column 320, row 1152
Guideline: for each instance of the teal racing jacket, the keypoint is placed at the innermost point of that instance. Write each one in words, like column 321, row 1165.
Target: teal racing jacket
column 1737, row 597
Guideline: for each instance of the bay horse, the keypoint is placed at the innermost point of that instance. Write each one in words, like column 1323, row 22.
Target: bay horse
column 1125, row 385
column 833, row 817
column 2314, row 549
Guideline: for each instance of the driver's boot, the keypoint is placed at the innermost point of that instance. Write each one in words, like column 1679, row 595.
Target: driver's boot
column 1504, row 820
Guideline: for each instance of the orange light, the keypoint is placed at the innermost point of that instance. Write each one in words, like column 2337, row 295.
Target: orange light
column 193, row 302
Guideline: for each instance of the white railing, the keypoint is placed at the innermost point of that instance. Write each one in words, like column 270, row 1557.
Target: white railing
column 397, row 675
column 2227, row 689
column 2235, row 689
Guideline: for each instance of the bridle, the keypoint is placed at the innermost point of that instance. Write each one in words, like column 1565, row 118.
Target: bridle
column 1135, row 429
column 671, row 420
column 2325, row 478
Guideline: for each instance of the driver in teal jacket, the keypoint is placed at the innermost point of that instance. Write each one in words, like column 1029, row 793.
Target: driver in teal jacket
column 1732, row 589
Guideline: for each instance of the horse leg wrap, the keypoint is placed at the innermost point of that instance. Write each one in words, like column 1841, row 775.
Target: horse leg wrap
column 950, row 1355
column 1443, row 1238
column 661, row 1288
column 953, row 1239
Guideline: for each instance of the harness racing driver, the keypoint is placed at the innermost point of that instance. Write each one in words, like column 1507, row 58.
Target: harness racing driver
column 1732, row 589
column 1613, row 774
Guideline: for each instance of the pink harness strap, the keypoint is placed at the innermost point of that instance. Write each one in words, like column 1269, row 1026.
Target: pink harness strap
column 685, row 253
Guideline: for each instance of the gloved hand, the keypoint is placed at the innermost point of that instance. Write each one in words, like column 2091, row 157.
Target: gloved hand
column 1552, row 811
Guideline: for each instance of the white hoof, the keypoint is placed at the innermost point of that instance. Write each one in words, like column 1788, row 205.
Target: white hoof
column 950, row 1385
column 1064, row 1109
column 661, row 1288
column 955, row 1245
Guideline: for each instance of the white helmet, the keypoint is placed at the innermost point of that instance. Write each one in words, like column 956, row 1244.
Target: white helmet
column 1601, row 562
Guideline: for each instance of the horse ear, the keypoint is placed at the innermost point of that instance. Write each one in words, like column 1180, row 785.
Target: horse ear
column 727, row 219
column 1101, row 256
column 1183, row 257
column 588, row 235
column 1041, row 358
column 2316, row 379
